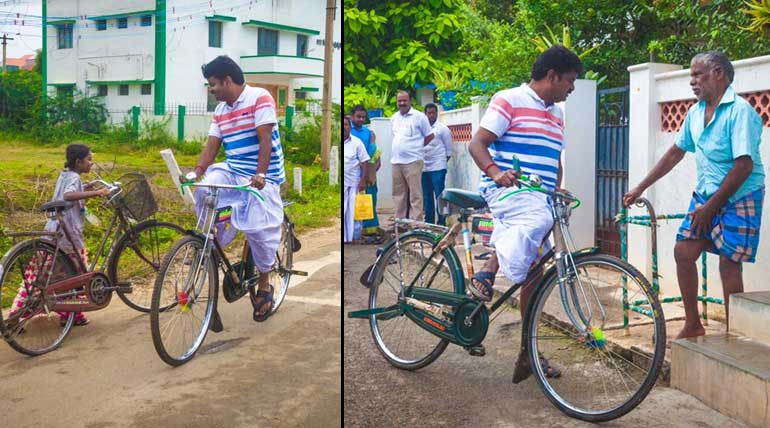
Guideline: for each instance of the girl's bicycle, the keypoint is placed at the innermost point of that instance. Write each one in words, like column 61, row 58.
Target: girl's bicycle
column 418, row 304
column 184, row 300
column 49, row 279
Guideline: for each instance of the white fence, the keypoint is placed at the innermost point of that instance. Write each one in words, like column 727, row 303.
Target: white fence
column 659, row 94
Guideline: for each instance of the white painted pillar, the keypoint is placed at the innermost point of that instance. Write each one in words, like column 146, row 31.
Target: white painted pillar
column 298, row 175
column 579, row 159
column 644, row 123
column 334, row 166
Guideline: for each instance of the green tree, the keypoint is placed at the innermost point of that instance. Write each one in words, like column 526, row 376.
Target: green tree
column 38, row 68
column 19, row 99
column 394, row 44
column 687, row 28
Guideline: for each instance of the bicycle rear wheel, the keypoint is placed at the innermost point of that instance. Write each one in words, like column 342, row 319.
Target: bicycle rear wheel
column 402, row 342
column 575, row 327
column 137, row 258
column 284, row 261
column 183, row 301
column 25, row 321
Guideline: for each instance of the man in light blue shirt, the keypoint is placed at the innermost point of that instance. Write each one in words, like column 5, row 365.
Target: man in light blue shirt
column 724, row 131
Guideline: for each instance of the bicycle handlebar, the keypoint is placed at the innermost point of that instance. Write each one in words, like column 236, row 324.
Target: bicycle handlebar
column 244, row 187
column 533, row 183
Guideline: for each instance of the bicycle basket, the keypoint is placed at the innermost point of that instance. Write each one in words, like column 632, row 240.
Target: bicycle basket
column 136, row 196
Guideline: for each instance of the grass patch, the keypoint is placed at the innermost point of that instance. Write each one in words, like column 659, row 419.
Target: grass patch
column 29, row 171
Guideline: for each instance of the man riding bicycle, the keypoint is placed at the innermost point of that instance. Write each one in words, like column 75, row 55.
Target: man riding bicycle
column 245, row 122
column 523, row 124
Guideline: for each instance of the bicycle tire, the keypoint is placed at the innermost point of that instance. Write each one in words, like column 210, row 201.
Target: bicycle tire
column 450, row 281
column 41, row 323
column 551, row 388
column 136, row 267
column 171, row 266
column 284, row 262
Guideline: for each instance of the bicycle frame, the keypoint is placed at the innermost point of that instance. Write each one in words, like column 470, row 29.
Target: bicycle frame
column 91, row 284
column 209, row 216
column 416, row 302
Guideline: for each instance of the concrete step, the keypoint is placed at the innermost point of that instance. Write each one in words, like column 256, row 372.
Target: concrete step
column 727, row 372
column 750, row 315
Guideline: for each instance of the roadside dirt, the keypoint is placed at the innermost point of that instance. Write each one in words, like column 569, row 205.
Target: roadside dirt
column 283, row 372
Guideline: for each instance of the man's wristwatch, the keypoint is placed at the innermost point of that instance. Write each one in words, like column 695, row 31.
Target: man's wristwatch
column 259, row 174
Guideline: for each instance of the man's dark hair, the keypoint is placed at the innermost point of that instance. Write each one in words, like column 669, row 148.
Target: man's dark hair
column 357, row 107
column 346, row 118
column 431, row 105
column 221, row 67
column 556, row 58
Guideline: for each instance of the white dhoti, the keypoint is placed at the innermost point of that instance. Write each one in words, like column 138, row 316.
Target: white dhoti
column 349, row 209
column 521, row 223
column 260, row 221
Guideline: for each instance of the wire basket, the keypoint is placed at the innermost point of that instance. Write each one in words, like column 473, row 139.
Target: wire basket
column 136, row 196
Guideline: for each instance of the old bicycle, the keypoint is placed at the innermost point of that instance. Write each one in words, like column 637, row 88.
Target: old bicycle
column 50, row 278
column 418, row 304
column 184, row 300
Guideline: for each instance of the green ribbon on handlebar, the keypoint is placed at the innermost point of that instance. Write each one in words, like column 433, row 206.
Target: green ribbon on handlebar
column 533, row 189
column 244, row 187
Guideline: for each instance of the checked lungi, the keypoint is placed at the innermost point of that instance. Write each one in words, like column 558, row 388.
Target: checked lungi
column 734, row 229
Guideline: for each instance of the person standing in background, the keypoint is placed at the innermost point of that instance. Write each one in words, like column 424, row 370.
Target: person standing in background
column 437, row 154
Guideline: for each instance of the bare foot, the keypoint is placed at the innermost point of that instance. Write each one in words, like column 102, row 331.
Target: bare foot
column 691, row 332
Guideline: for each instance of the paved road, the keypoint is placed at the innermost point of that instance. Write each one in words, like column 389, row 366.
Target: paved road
column 458, row 390
column 284, row 372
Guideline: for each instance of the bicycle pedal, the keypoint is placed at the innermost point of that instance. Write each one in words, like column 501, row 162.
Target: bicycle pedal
column 476, row 351
column 124, row 287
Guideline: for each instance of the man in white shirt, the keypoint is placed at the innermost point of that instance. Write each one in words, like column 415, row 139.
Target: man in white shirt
column 436, row 153
column 245, row 125
column 411, row 132
column 355, row 163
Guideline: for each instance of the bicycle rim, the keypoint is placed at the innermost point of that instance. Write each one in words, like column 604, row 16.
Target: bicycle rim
column 137, row 260
column 186, row 287
column 599, row 380
column 26, row 323
column 401, row 341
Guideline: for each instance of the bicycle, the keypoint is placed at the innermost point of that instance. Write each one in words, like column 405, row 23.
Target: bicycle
column 184, row 300
column 418, row 305
column 51, row 280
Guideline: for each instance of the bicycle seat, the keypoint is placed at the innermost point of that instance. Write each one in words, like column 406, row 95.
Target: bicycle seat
column 463, row 198
column 56, row 206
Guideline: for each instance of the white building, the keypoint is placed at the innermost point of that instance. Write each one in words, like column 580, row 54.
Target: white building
column 150, row 52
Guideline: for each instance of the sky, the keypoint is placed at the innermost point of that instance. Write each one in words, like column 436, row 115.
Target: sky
column 30, row 39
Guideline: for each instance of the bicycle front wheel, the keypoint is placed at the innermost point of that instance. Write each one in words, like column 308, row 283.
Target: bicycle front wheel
column 25, row 320
column 137, row 258
column 183, row 301
column 399, row 339
column 573, row 327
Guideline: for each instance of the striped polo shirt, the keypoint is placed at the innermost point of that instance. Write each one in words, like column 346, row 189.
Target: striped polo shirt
column 527, row 128
column 236, row 126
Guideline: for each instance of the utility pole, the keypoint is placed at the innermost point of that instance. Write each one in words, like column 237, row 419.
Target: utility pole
column 5, row 39
column 326, row 109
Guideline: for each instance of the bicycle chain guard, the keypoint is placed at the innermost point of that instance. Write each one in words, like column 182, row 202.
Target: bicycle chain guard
column 471, row 332
column 231, row 291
